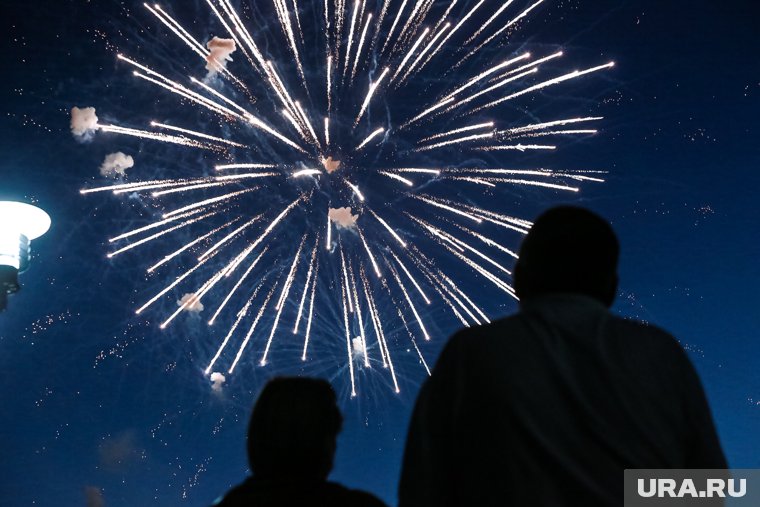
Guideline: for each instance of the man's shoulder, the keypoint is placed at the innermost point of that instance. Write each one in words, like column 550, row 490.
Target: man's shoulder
column 644, row 333
column 319, row 494
column 519, row 325
column 352, row 497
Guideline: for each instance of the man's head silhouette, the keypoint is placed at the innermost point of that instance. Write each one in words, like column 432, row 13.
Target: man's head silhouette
column 293, row 429
column 568, row 250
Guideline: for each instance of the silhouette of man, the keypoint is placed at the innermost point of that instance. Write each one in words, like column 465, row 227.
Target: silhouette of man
column 291, row 445
column 549, row 406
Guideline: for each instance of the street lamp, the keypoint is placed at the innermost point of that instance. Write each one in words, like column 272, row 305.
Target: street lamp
column 19, row 224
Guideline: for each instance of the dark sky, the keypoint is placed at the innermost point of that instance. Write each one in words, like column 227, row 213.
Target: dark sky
column 99, row 405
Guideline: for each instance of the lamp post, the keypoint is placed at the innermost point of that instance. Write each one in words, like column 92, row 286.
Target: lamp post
column 20, row 223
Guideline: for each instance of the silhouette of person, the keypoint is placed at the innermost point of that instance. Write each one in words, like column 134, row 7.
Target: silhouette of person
column 549, row 406
column 291, row 445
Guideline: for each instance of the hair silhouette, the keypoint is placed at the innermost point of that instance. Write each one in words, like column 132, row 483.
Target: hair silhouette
column 568, row 249
column 293, row 429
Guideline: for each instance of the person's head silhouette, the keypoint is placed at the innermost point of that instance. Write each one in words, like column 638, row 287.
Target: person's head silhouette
column 568, row 250
column 293, row 429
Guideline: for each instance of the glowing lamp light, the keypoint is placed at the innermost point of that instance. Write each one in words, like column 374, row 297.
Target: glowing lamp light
column 20, row 223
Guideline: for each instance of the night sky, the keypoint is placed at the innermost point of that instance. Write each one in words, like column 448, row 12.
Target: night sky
column 101, row 406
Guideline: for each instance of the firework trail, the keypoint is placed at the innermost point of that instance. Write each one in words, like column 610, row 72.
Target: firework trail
column 284, row 222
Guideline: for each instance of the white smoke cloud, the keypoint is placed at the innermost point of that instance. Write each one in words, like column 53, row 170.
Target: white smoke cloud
column 342, row 217
column 84, row 121
column 116, row 163
column 330, row 164
column 217, row 381
column 194, row 304
column 358, row 346
column 220, row 51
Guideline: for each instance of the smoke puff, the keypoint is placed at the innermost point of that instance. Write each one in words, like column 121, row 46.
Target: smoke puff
column 342, row 217
column 220, row 51
column 217, row 381
column 119, row 452
column 94, row 497
column 116, row 163
column 330, row 164
column 83, row 121
column 193, row 303
column 358, row 346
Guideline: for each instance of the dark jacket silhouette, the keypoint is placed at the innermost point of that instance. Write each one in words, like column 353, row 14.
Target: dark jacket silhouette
column 291, row 445
column 548, row 407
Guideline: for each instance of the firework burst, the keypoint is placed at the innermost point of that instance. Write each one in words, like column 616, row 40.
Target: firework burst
column 324, row 191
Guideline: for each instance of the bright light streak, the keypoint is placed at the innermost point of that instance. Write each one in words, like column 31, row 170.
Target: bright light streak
column 350, row 37
column 196, row 186
column 355, row 190
column 374, row 134
column 487, row 73
column 329, row 85
column 458, row 140
column 365, row 351
column 170, row 287
column 369, row 252
column 306, row 172
column 458, row 131
column 129, row 187
column 244, row 176
column 491, row 88
column 223, row 167
column 411, row 304
column 306, row 285
column 457, row 27
column 329, row 232
column 206, row 202
column 410, row 53
column 424, row 52
column 228, row 237
column 345, row 278
column 488, row 22
column 504, row 28
column 550, row 82
column 242, row 313
column 388, row 228
column 348, row 343
column 418, row 170
column 536, row 184
column 471, row 179
column 158, row 235
column 517, row 147
column 443, row 205
column 305, row 118
column 368, row 98
column 395, row 176
column 156, row 136
column 411, row 278
column 549, row 124
column 359, row 47
column 153, row 226
column 236, row 287
column 311, row 314
column 393, row 26
column 190, row 245
column 428, row 111
column 252, row 329
column 280, row 303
